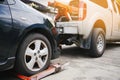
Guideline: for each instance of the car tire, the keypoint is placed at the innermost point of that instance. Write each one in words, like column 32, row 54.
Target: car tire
column 98, row 43
column 34, row 55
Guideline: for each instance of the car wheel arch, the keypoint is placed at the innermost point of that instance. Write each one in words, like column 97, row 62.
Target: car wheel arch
column 39, row 30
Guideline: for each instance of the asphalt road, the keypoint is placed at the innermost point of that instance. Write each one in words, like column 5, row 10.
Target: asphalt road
column 82, row 67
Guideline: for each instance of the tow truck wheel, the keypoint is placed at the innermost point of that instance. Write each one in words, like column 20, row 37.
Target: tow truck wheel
column 98, row 43
column 34, row 55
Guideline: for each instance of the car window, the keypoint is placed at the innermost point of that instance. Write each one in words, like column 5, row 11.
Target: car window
column 113, row 3
column 118, row 8
column 102, row 3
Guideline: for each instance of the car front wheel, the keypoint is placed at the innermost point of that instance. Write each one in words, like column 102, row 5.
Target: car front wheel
column 34, row 54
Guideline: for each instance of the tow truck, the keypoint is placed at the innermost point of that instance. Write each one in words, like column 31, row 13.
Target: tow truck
column 89, row 25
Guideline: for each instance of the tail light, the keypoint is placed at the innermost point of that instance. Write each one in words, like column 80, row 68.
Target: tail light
column 82, row 10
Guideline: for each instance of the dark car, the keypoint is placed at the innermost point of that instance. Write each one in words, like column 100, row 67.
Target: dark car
column 27, row 38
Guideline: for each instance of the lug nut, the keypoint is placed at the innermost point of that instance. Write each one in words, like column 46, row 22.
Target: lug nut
column 36, row 58
column 38, row 51
column 39, row 56
column 34, row 54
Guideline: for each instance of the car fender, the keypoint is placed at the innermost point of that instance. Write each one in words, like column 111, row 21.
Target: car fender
column 31, row 29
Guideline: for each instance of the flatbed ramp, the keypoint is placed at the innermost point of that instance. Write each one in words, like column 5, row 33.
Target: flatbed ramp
column 54, row 68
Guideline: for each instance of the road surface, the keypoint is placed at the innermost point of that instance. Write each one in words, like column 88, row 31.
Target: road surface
column 82, row 67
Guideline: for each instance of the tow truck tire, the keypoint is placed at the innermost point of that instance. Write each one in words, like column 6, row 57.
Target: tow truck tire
column 34, row 55
column 98, row 43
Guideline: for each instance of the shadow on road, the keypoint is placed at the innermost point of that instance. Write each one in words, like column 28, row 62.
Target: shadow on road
column 112, row 46
column 77, row 51
column 8, row 75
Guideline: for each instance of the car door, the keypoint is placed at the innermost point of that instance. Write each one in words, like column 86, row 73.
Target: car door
column 5, row 30
column 116, row 21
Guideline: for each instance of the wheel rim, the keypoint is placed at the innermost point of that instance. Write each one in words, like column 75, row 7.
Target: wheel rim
column 36, row 55
column 100, row 43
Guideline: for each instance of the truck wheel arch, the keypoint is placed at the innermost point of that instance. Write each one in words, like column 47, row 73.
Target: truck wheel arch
column 100, row 24
column 97, row 24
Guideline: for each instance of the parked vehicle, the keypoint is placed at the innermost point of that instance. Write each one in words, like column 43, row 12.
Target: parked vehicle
column 27, row 38
column 97, row 22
